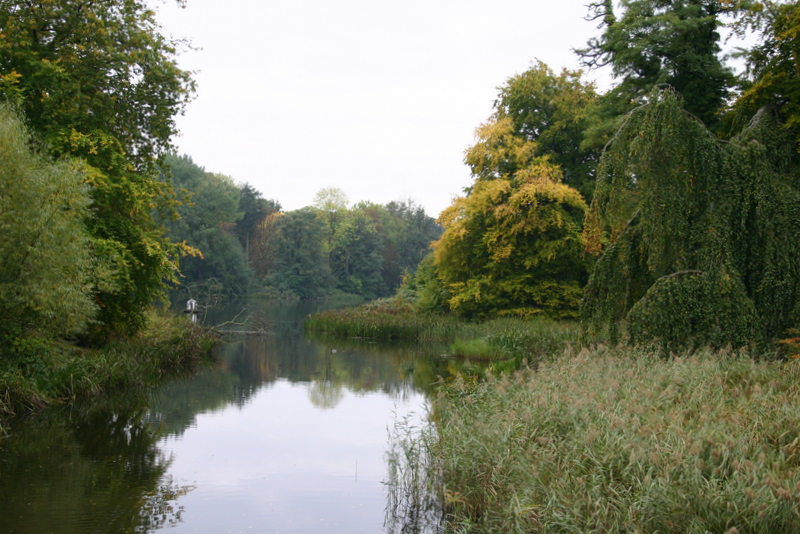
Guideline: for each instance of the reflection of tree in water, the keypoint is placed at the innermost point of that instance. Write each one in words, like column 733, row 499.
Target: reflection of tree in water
column 325, row 394
column 76, row 471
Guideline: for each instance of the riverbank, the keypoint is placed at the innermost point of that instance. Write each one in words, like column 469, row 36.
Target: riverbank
column 611, row 440
column 623, row 440
column 504, row 343
column 50, row 372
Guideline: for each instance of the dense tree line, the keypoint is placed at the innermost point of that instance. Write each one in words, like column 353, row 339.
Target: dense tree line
column 246, row 243
column 664, row 209
column 366, row 249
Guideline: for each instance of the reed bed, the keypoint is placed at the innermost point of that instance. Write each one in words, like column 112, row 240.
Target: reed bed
column 496, row 339
column 623, row 441
column 385, row 319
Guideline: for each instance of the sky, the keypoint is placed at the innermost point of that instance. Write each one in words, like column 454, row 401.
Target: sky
column 379, row 99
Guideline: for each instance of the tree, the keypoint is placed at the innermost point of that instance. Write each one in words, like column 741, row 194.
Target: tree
column 300, row 265
column 262, row 249
column 97, row 81
column 209, row 215
column 512, row 245
column 552, row 110
column 772, row 77
column 254, row 209
column 332, row 203
column 45, row 265
column 409, row 232
column 697, row 239
column 656, row 43
column 356, row 257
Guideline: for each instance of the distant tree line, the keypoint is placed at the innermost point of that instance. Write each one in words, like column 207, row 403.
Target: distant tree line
column 247, row 243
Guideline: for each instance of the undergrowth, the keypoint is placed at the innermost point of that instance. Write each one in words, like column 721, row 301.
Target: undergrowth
column 45, row 371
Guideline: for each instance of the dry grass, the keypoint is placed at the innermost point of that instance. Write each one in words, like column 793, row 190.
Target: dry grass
column 614, row 441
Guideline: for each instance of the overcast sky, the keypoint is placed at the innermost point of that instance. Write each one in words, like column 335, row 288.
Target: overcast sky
column 377, row 98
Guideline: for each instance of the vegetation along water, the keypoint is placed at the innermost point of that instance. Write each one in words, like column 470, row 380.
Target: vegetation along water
column 603, row 328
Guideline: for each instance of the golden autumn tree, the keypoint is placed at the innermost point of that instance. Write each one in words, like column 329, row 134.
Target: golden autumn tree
column 511, row 246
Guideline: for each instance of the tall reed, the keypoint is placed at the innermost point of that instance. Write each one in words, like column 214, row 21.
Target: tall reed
column 623, row 441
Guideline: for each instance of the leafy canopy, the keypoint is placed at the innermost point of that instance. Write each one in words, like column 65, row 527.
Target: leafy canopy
column 96, row 80
column 45, row 263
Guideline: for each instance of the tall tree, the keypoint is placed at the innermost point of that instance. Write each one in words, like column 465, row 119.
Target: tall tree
column 332, row 204
column 96, row 80
column 254, row 208
column 409, row 235
column 552, row 110
column 357, row 256
column 697, row 239
column 300, row 266
column 773, row 63
column 209, row 216
column 655, row 43
column 512, row 245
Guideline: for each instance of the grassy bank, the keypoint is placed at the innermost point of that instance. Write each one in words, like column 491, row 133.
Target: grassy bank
column 46, row 372
column 621, row 440
column 497, row 340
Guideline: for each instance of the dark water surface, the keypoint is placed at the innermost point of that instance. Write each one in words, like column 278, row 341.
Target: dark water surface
column 285, row 435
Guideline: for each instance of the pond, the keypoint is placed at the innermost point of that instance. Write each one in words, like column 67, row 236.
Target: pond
column 286, row 434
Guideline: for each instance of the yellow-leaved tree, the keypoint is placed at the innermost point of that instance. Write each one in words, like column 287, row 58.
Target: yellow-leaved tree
column 512, row 245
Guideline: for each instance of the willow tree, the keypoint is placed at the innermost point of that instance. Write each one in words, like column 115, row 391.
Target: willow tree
column 698, row 238
column 99, row 82
column 45, row 261
column 512, row 245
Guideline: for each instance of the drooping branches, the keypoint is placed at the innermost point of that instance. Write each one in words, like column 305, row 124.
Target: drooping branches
column 698, row 238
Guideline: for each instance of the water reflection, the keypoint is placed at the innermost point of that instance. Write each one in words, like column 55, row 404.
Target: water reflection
column 288, row 433
column 87, row 470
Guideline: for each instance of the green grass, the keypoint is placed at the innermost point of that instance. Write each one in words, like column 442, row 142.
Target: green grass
column 496, row 340
column 622, row 440
column 385, row 319
column 44, row 372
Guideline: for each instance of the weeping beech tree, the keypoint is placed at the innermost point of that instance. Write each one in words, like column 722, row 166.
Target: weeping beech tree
column 698, row 239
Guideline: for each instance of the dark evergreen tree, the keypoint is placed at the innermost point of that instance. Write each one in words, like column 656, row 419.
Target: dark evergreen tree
column 655, row 43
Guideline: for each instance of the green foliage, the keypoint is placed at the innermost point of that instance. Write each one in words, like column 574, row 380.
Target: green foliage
column 620, row 441
column 45, row 262
column 773, row 78
column 356, row 256
column 698, row 237
column 254, row 210
column 42, row 371
column 366, row 248
column 97, row 81
column 655, row 43
column 208, row 221
column 300, row 266
column 408, row 232
column 552, row 110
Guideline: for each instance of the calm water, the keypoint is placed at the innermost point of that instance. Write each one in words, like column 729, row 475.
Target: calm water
column 286, row 435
